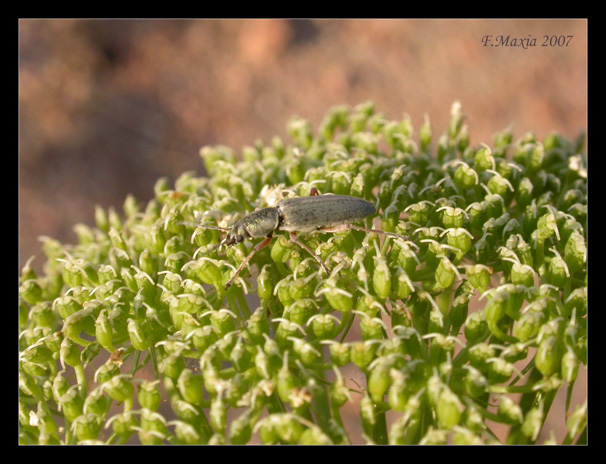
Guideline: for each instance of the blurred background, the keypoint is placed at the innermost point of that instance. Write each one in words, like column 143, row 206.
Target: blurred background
column 106, row 107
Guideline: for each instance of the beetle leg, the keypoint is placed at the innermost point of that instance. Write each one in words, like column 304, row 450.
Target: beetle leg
column 257, row 247
column 344, row 227
column 294, row 238
column 313, row 192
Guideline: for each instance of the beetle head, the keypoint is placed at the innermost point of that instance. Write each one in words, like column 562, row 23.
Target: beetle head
column 237, row 234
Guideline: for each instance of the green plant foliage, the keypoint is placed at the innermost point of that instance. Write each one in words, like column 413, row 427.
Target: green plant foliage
column 476, row 316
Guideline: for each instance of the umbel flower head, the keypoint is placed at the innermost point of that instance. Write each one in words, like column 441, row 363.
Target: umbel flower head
column 462, row 300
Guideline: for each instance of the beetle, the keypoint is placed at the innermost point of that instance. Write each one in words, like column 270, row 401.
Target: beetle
column 325, row 213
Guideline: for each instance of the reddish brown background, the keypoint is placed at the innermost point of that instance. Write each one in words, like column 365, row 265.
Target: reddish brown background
column 108, row 106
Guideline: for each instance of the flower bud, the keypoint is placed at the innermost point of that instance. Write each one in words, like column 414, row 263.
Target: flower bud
column 339, row 299
column 107, row 371
column 103, row 331
column 123, row 424
column 119, row 388
column 281, row 249
column 265, row 284
column 302, row 287
column 72, row 404
column 339, row 393
column 425, row 134
column 533, row 423
column 509, row 411
column 546, row 227
column 391, row 218
column 458, row 311
column 548, row 357
column 363, row 353
column 372, row 328
column 499, row 185
column 528, row 325
column 87, row 427
column 153, row 427
column 465, row 177
column 381, row 278
column 69, row 353
column 475, row 383
column 42, row 314
column 267, row 430
column 223, row 321
column 340, row 353
column 324, row 326
column 516, row 297
column 449, row 409
column 282, row 290
column 484, row 159
column 149, row 395
column 418, row 213
column 262, row 364
column 479, row 354
column 301, row 310
column 397, row 394
column 186, row 412
column 286, row 381
column 402, row 284
column 23, row 314
column 575, row 252
column 476, row 213
column 459, row 238
column 207, row 271
column 379, row 380
column 314, row 436
column 475, row 327
column 577, row 420
column 190, row 386
column 59, row 387
column 28, row 386
column 339, row 182
column 515, row 352
column 288, row 428
column 496, row 307
column 479, row 276
column 218, row 414
column 285, row 331
column 522, row 274
column 145, row 285
column 31, row 291
column 444, row 274
column 570, row 365
column 557, row 271
column 139, row 338
column 307, row 354
column 368, row 305
column 96, row 403
column 186, row 434
column 240, row 429
column 499, row 370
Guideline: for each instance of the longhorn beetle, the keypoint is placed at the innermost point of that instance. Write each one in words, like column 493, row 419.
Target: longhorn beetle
column 325, row 213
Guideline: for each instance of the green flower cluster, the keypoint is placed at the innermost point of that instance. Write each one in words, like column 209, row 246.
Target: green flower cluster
column 482, row 297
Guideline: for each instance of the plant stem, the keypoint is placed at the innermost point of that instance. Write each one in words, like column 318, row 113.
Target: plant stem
column 380, row 429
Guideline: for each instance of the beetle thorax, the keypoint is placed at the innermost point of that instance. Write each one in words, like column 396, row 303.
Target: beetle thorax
column 257, row 224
